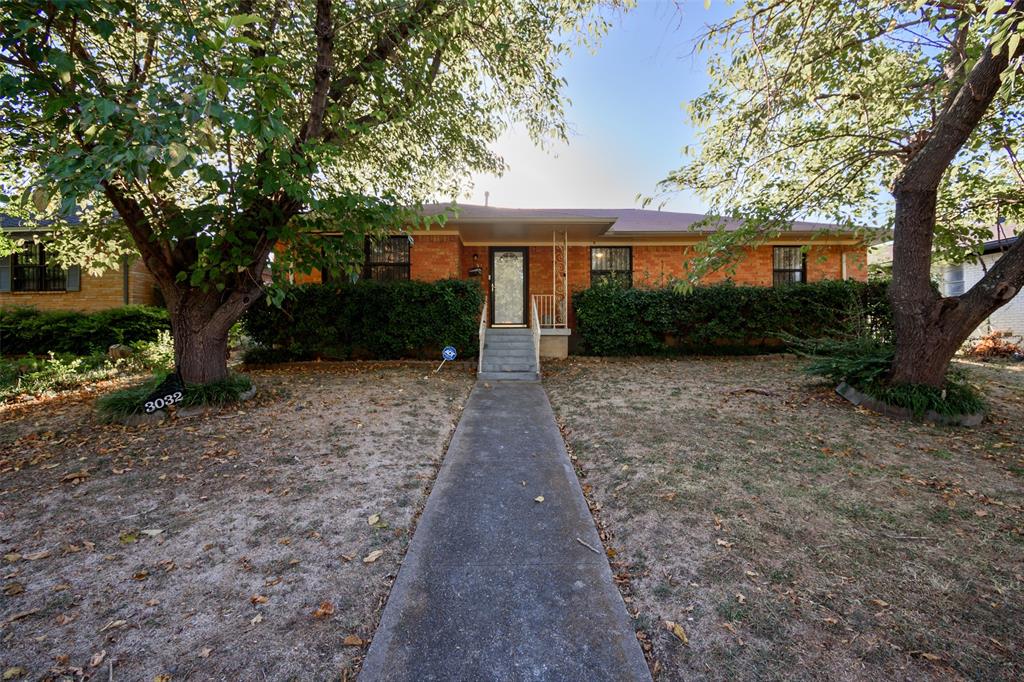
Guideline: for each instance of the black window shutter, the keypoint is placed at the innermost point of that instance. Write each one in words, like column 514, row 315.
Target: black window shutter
column 74, row 281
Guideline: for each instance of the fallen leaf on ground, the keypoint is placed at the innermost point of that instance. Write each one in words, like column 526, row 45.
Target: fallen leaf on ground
column 152, row 532
column 22, row 614
column 11, row 557
column 13, row 673
column 930, row 657
column 140, row 575
column 352, row 640
column 258, row 599
column 741, row 599
column 677, row 630
column 97, row 658
column 75, row 477
column 35, row 556
column 373, row 556
column 113, row 624
column 539, row 498
column 723, row 543
column 257, row 619
column 374, row 519
column 205, row 652
column 12, row 589
column 324, row 610
column 162, row 677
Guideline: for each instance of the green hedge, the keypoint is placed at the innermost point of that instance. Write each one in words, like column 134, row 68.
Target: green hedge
column 724, row 318
column 367, row 320
column 27, row 330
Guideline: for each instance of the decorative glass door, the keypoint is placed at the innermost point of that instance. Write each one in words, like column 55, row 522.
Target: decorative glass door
column 508, row 286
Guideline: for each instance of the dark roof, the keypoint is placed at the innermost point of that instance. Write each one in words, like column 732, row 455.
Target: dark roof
column 1003, row 237
column 620, row 220
column 13, row 224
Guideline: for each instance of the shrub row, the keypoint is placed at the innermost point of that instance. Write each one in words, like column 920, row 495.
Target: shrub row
column 27, row 330
column 725, row 318
column 367, row 320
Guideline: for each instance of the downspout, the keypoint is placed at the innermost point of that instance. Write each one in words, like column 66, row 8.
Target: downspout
column 843, row 260
column 124, row 279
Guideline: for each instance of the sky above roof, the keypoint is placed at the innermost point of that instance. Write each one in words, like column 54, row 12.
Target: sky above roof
column 626, row 118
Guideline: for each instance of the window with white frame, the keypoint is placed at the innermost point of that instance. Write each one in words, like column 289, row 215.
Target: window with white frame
column 954, row 280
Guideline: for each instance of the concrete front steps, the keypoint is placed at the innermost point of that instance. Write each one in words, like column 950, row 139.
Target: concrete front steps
column 509, row 355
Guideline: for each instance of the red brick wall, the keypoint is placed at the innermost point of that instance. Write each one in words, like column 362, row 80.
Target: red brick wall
column 656, row 265
column 435, row 256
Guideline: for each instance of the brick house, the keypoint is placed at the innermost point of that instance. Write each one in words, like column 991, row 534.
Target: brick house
column 536, row 258
column 29, row 278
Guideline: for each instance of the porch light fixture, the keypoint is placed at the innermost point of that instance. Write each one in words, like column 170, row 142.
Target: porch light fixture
column 476, row 270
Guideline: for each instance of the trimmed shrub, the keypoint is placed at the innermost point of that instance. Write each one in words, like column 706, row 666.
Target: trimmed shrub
column 725, row 318
column 367, row 320
column 26, row 330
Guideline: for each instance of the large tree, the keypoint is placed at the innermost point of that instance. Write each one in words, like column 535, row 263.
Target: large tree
column 908, row 115
column 205, row 134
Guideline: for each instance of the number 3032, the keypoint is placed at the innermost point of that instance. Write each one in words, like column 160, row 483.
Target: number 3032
column 167, row 400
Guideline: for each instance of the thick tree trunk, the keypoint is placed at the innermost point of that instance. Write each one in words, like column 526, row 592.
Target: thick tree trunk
column 200, row 340
column 200, row 354
column 921, row 345
column 200, row 321
column 929, row 328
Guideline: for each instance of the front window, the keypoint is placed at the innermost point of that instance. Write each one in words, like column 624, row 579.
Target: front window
column 32, row 270
column 387, row 259
column 611, row 262
column 789, row 265
column 955, row 280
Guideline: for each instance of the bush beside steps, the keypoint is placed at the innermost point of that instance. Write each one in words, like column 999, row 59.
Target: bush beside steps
column 126, row 406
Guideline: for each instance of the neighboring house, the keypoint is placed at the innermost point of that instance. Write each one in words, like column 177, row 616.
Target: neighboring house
column 953, row 279
column 527, row 257
column 30, row 277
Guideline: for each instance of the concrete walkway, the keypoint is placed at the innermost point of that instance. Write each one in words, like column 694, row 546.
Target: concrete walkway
column 495, row 585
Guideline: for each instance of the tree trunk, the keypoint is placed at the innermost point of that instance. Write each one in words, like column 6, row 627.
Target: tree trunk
column 921, row 343
column 200, row 339
column 200, row 355
column 929, row 328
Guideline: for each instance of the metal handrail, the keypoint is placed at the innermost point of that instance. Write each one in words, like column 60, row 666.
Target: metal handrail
column 535, row 326
column 483, row 334
column 551, row 310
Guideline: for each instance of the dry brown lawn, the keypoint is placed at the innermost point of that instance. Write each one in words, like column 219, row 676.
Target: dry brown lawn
column 231, row 546
column 793, row 536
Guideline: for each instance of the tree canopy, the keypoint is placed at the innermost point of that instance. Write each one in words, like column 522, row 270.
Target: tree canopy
column 204, row 134
column 816, row 107
column 197, row 113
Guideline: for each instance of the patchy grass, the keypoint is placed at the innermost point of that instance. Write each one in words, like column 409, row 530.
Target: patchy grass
column 793, row 535
column 205, row 548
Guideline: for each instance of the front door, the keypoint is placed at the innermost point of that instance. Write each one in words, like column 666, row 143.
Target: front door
column 509, row 267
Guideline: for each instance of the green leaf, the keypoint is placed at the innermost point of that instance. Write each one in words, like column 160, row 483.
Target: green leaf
column 176, row 153
column 240, row 20
column 41, row 199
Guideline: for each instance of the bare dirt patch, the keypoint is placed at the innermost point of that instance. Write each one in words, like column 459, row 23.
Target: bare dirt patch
column 229, row 546
column 793, row 536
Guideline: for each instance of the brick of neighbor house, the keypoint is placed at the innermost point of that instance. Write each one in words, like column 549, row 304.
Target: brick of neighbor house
column 112, row 289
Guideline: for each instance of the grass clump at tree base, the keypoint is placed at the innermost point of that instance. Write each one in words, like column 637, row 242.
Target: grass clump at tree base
column 864, row 363
column 129, row 401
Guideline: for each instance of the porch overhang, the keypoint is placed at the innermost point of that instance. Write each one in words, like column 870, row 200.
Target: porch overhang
column 515, row 232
